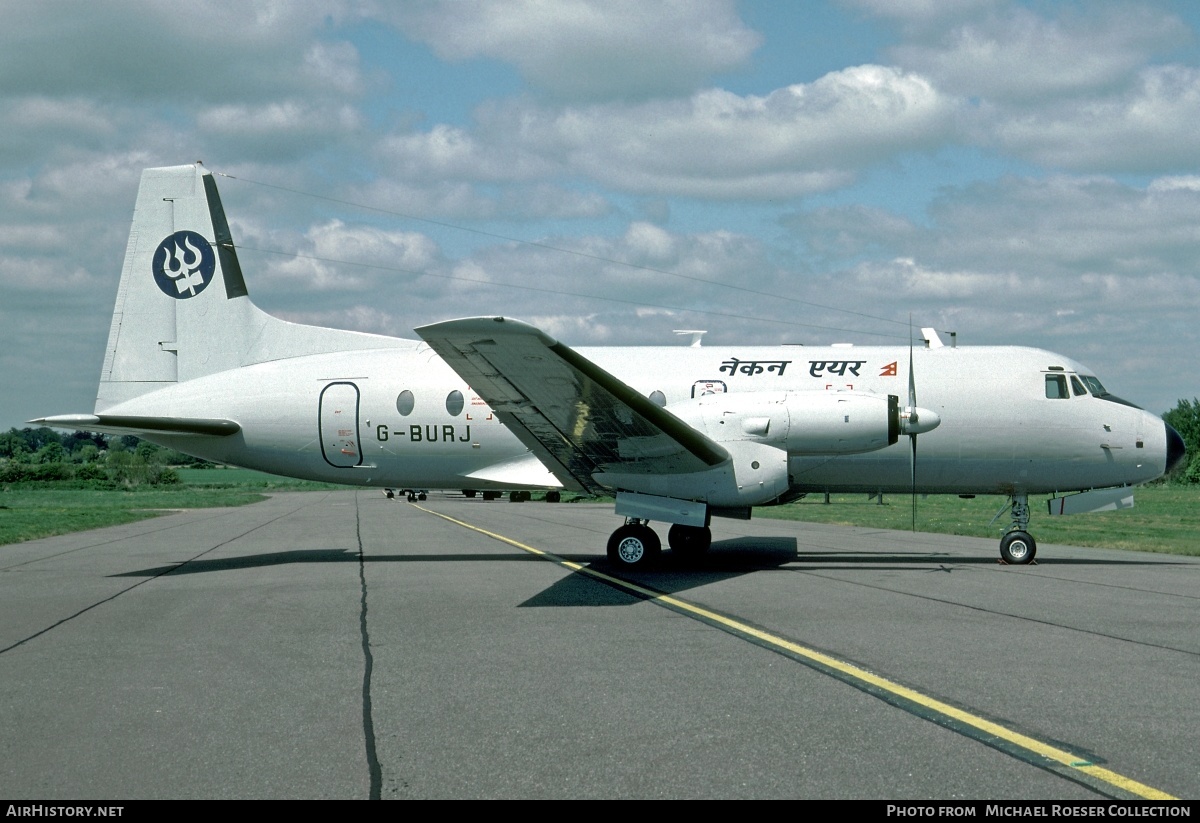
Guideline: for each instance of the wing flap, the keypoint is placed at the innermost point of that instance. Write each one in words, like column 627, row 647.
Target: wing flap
column 522, row 472
column 575, row 417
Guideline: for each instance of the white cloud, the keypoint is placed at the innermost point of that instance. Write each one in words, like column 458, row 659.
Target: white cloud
column 1185, row 183
column 277, row 131
column 177, row 52
column 715, row 144
column 335, row 257
column 1012, row 54
column 590, row 49
column 1148, row 128
column 1061, row 226
column 448, row 153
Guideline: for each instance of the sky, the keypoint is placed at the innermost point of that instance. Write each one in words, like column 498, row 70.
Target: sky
column 1018, row 173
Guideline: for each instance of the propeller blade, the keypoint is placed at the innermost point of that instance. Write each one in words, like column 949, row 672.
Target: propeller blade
column 912, row 416
column 913, row 466
column 912, row 381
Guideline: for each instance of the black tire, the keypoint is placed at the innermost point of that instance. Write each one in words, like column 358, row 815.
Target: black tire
column 689, row 541
column 633, row 546
column 421, row 495
column 468, row 493
column 1018, row 548
column 553, row 497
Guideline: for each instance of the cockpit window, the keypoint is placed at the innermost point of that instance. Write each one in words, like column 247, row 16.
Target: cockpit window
column 1077, row 386
column 1056, row 386
column 1098, row 391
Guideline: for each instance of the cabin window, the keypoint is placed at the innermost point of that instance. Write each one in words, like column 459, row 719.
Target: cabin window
column 1056, row 386
column 405, row 403
column 454, row 403
column 1077, row 386
column 658, row 398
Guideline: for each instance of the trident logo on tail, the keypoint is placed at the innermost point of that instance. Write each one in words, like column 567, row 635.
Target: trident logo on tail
column 183, row 265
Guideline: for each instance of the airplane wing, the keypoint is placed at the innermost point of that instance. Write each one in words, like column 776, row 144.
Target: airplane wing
column 575, row 417
column 130, row 424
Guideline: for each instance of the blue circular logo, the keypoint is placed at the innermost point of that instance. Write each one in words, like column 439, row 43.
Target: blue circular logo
column 183, row 265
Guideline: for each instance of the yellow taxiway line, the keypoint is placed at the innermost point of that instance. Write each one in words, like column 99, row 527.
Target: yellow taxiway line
column 940, row 712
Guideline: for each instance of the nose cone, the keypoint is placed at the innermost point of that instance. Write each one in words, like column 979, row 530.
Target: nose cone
column 1176, row 451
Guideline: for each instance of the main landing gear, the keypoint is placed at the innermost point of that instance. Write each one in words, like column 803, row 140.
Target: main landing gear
column 635, row 545
column 689, row 541
column 412, row 494
column 1018, row 547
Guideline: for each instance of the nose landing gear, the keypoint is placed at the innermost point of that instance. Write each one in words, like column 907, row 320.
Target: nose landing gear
column 1017, row 547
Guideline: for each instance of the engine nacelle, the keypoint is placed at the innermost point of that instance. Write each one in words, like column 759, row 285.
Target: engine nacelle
column 807, row 422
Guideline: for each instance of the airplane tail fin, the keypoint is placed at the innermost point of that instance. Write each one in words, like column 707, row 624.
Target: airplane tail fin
column 182, row 301
column 183, row 310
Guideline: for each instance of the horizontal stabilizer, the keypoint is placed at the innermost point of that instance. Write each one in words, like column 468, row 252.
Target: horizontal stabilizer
column 132, row 424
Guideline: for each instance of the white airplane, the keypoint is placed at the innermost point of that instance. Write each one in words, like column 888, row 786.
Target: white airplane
column 676, row 434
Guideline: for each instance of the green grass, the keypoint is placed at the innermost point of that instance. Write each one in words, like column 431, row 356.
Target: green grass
column 1164, row 519
column 32, row 510
column 233, row 478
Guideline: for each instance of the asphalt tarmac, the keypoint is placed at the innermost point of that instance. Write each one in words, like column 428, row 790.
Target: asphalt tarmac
column 343, row 645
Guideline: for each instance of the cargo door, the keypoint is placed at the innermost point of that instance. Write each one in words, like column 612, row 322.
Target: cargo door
column 339, row 425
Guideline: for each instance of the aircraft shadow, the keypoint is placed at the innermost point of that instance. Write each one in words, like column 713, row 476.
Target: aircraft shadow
column 727, row 559
column 671, row 574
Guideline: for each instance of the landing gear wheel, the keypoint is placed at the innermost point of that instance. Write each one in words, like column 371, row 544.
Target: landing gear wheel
column 553, row 497
column 421, row 495
column 689, row 541
column 633, row 546
column 1018, row 548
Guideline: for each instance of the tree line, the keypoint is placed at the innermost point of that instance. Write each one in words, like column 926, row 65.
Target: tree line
column 1185, row 419
column 88, row 459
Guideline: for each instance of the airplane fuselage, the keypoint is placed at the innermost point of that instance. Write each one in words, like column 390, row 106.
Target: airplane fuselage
column 401, row 418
